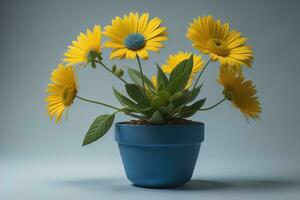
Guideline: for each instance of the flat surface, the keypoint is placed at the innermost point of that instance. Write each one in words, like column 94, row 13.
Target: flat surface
column 67, row 180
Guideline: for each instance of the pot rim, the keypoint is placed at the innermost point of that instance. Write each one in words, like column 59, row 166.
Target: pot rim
column 125, row 123
column 169, row 134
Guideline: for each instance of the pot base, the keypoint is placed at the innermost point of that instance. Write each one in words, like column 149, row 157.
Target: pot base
column 159, row 166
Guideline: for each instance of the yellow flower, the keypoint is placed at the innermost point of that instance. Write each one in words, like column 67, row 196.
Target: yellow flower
column 240, row 92
column 79, row 51
column 154, row 81
column 235, row 68
column 134, row 35
column 219, row 42
column 62, row 90
column 175, row 59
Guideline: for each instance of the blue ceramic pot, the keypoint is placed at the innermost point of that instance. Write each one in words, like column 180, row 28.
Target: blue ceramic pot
column 159, row 156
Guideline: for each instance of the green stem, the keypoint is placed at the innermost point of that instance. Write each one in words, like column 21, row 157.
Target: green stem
column 141, row 70
column 100, row 103
column 109, row 106
column 199, row 76
column 134, row 115
column 211, row 107
column 105, row 67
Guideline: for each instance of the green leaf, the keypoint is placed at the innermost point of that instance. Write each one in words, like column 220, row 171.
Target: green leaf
column 184, row 66
column 184, row 98
column 166, row 110
column 176, row 96
column 162, row 79
column 189, row 111
column 178, row 84
column 128, row 110
column 181, row 100
column 157, row 102
column 136, row 77
column 137, row 94
column 99, row 127
column 165, row 95
column 180, row 76
column 125, row 101
column 156, row 118
column 194, row 93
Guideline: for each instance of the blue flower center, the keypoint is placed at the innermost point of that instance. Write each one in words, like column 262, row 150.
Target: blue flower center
column 135, row 41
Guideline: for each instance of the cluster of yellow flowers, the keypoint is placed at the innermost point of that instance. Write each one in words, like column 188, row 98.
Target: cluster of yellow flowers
column 134, row 35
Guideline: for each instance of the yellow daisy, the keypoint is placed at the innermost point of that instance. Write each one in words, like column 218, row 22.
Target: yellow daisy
column 240, row 92
column 219, row 42
column 175, row 59
column 62, row 90
column 134, row 35
column 80, row 50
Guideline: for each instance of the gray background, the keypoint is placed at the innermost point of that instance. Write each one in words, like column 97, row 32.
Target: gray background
column 238, row 160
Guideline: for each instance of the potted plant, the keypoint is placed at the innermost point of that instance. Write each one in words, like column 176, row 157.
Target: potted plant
column 159, row 145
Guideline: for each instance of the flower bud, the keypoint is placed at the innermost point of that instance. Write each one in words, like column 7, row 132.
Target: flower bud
column 113, row 68
column 119, row 72
column 99, row 56
column 92, row 56
column 227, row 94
column 93, row 64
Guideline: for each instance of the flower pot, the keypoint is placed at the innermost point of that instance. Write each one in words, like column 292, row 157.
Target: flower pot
column 159, row 156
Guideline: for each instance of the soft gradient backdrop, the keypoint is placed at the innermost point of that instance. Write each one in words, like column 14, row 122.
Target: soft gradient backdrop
column 238, row 160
